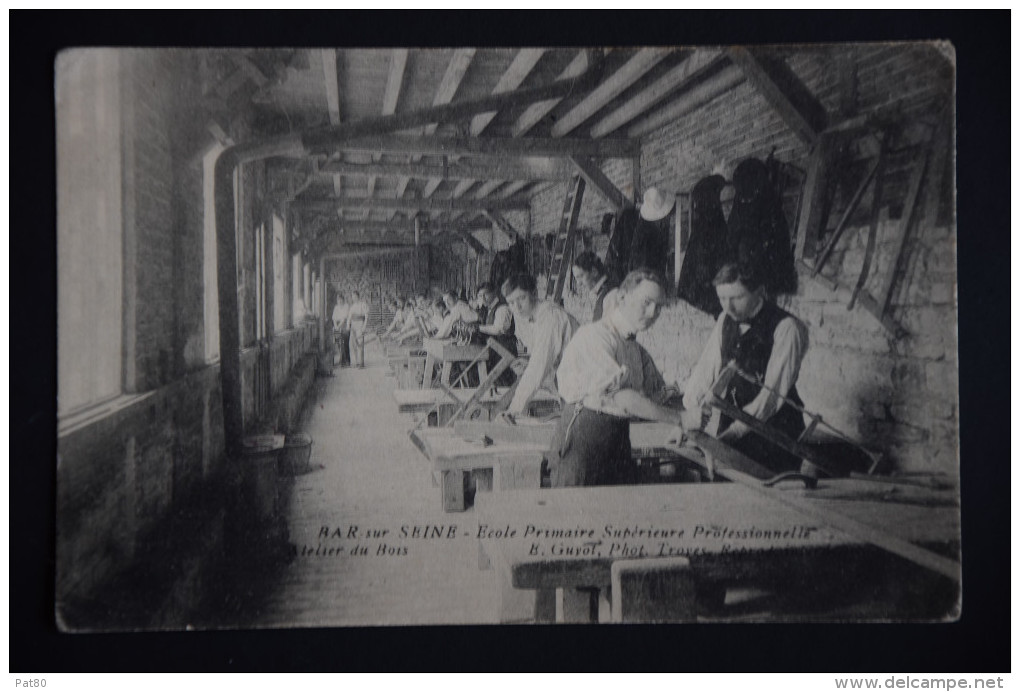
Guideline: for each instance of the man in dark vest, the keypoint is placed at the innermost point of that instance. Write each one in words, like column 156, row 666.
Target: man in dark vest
column 767, row 343
column 499, row 324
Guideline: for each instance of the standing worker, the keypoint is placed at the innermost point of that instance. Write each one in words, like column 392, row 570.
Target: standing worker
column 341, row 331
column 498, row 323
column 767, row 343
column 591, row 275
column 544, row 328
column 357, row 318
column 605, row 378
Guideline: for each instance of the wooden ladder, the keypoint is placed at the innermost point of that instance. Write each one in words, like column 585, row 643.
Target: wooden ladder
column 563, row 246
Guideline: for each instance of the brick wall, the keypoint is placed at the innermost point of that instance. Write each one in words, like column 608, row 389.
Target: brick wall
column 136, row 466
column 899, row 395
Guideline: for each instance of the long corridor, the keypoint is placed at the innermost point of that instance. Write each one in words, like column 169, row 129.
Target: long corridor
column 353, row 565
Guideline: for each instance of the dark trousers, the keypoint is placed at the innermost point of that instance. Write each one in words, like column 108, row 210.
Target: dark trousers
column 590, row 448
column 343, row 338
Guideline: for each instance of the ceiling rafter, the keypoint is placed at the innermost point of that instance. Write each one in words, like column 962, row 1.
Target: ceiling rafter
column 523, row 63
column 327, row 205
column 536, row 111
column 452, row 78
column 332, row 80
column 635, row 68
column 605, row 148
column 695, row 64
column 783, row 90
column 688, row 102
column 465, row 169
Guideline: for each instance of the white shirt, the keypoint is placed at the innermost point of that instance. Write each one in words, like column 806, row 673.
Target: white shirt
column 545, row 335
column 340, row 313
column 460, row 311
column 601, row 360
column 790, row 343
column 358, row 310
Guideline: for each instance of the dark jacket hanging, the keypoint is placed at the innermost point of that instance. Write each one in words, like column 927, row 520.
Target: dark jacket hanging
column 706, row 248
column 618, row 252
column 757, row 230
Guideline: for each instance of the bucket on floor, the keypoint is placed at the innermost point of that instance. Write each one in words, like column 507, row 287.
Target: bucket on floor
column 259, row 477
column 297, row 451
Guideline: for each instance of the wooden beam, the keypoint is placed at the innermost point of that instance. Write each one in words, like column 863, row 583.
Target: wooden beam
column 814, row 205
column 513, row 188
column 332, row 82
column 431, row 186
column 398, row 61
column 471, row 241
column 452, row 78
column 475, row 168
column 524, row 62
column 535, row 112
column 644, row 60
column 784, row 91
column 462, row 187
column 494, row 146
column 329, row 76
column 432, row 204
column 327, row 140
column 502, row 224
column 594, row 176
column 688, row 102
column 694, row 65
column 486, row 189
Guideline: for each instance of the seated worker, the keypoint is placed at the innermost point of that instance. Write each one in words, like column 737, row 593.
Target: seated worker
column 416, row 318
column 357, row 318
column 499, row 324
column 545, row 329
column 767, row 343
column 341, row 332
column 397, row 324
column 590, row 274
column 606, row 378
column 459, row 311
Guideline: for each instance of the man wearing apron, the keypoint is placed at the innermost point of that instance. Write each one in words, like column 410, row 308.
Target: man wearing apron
column 356, row 320
column 341, row 332
column 606, row 378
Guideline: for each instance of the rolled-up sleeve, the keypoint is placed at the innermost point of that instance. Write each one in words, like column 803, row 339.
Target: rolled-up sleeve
column 706, row 369
column 790, row 343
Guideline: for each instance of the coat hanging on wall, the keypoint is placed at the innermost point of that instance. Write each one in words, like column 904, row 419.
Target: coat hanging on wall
column 758, row 233
column 706, row 248
column 618, row 253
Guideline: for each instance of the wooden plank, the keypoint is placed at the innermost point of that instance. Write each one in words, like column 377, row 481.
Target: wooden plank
column 487, row 188
column 431, row 204
column 475, row 168
column 394, row 80
column 535, row 112
column 903, row 227
column 784, row 91
column 329, row 76
column 331, row 139
column 851, row 207
column 523, row 63
column 635, row 68
column 475, row 146
column 814, row 206
column 688, row 101
column 594, row 176
column 695, row 64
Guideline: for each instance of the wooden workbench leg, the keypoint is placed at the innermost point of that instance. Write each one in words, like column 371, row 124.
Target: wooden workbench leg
column 545, row 605
column 577, row 605
column 445, row 377
column 453, row 491
column 426, row 378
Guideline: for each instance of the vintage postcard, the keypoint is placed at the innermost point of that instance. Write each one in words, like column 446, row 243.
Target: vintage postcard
column 421, row 336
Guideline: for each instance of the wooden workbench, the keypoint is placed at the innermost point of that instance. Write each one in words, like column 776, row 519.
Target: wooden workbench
column 512, row 458
column 445, row 352
column 731, row 534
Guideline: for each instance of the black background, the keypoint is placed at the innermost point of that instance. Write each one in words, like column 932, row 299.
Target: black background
column 979, row 642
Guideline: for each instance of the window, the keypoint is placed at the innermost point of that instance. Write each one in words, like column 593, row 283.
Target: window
column 279, row 276
column 90, row 232
column 209, row 270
